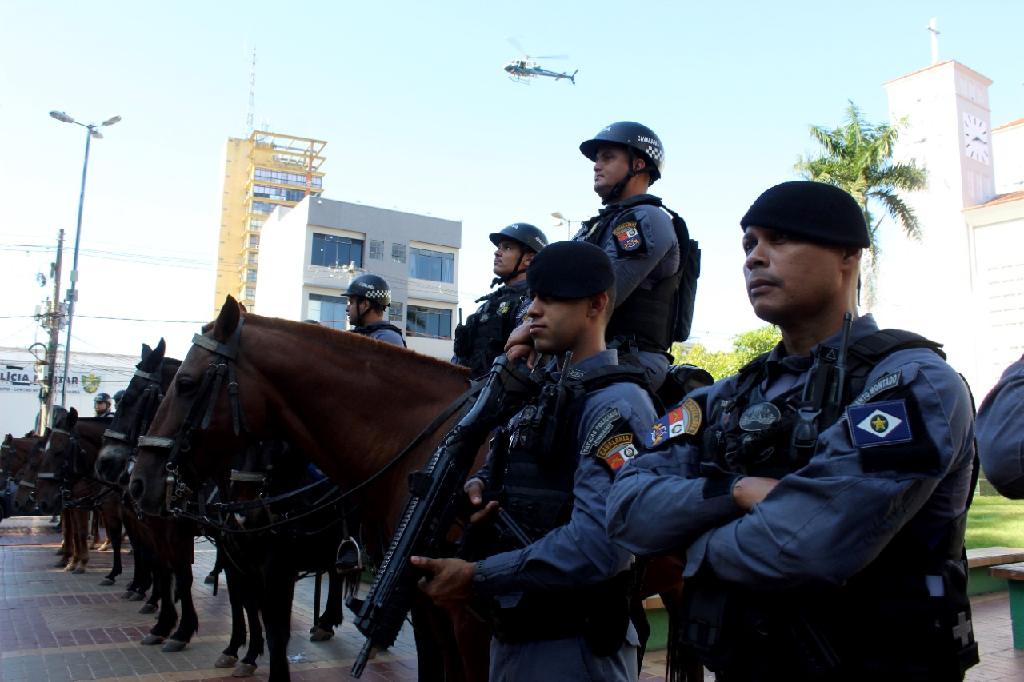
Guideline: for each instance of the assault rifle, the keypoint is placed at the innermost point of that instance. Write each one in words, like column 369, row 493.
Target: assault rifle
column 822, row 396
column 434, row 496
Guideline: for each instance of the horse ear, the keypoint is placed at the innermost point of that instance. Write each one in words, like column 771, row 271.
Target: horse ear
column 227, row 320
column 146, row 350
column 72, row 418
column 8, row 438
column 161, row 348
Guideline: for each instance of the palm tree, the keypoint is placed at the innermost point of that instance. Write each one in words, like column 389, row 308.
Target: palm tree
column 857, row 157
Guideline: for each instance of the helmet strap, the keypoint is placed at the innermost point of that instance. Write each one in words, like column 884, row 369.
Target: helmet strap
column 516, row 270
column 617, row 190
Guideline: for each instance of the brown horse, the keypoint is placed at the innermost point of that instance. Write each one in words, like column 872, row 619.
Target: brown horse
column 19, row 461
column 65, row 481
column 349, row 403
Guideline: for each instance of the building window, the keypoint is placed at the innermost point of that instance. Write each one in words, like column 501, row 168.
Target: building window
column 262, row 207
column 250, row 275
column 285, row 178
column 329, row 311
column 395, row 313
column 436, row 266
column 398, row 253
column 253, row 259
column 376, row 250
column 254, row 241
column 433, row 323
column 332, row 251
column 255, row 225
column 250, row 293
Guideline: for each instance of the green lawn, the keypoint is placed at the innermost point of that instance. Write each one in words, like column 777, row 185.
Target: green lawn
column 995, row 521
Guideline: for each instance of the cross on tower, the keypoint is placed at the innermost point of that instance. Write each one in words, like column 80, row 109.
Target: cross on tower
column 933, row 28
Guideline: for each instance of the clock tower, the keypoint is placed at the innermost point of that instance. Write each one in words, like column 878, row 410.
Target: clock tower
column 942, row 112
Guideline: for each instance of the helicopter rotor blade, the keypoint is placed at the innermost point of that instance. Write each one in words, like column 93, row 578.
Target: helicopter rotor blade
column 552, row 56
column 515, row 43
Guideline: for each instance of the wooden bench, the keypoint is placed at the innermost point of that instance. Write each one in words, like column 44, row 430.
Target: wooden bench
column 1014, row 575
column 980, row 560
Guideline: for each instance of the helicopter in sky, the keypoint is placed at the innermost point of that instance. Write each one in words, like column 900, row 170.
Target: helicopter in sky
column 527, row 67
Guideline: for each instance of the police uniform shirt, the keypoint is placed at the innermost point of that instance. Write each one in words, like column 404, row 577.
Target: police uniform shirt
column 832, row 517
column 1001, row 433
column 381, row 331
column 509, row 303
column 579, row 552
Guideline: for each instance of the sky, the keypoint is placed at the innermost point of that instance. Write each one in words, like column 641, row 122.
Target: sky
column 419, row 116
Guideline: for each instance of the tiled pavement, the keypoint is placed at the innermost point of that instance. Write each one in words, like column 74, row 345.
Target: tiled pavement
column 58, row 627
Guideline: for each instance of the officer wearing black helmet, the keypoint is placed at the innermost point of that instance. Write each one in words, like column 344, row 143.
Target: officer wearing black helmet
column 368, row 298
column 101, row 403
column 656, row 265
column 482, row 338
column 558, row 603
column 117, row 398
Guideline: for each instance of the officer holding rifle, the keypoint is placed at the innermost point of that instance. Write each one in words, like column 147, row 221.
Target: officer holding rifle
column 552, row 586
column 819, row 496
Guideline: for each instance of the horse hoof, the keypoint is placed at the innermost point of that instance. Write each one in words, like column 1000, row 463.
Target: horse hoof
column 69, row 567
column 60, row 551
column 321, row 635
column 107, row 582
column 151, row 639
column 210, row 579
column 136, row 596
column 225, row 661
column 79, row 570
column 173, row 646
column 244, row 670
column 148, row 608
column 60, row 564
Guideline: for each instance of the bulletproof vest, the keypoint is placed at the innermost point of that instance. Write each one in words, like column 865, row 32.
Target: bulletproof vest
column 653, row 318
column 369, row 329
column 482, row 338
column 542, row 451
column 883, row 621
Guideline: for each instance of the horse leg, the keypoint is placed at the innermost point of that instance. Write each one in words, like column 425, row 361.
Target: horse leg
column 229, row 657
column 250, row 592
column 80, row 540
column 65, row 540
column 189, row 623
column 114, row 533
column 168, row 616
column 333, row 612
column 472, row 646
column 278, row 593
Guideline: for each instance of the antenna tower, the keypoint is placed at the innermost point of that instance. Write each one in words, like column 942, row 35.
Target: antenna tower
column 251, row 114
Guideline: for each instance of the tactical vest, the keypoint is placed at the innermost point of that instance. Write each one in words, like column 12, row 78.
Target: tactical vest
column 369, row 329
column 482, row 338
column 883, row 623
column 537, row 479
column 653, row 319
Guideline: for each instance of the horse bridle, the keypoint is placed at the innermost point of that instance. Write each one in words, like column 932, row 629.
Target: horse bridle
column 200, row 412
column 69, row 474
column 145, row 407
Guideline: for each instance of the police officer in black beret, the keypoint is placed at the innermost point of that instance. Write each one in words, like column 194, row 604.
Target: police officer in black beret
column 819, row 495
column 558, row 604
column 482, row 338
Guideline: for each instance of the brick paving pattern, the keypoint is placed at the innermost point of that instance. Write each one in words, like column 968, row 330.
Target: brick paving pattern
column 59, row 627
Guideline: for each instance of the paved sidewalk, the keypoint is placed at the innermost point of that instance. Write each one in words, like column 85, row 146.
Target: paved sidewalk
column 58, row 627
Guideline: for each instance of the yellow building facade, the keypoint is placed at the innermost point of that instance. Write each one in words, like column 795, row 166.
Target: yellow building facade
column 261, row 172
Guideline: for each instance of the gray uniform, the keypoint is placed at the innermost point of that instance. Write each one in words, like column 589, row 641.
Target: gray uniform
column 829, row 520
column 576, row 554
column 1001, row 433
column 642, row 245
column 381, row 331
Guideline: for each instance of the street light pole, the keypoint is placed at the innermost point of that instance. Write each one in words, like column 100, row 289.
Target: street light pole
column 562, row 219
column 91, row 131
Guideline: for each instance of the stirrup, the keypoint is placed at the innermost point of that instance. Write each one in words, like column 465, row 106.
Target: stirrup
column 349, row 558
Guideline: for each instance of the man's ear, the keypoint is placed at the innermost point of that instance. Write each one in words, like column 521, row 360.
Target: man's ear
column 639, row 164
column 598, row 305
column 527, row 258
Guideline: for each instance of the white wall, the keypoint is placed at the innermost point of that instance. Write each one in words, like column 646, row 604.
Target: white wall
column 1008, row 158
column 283, row 247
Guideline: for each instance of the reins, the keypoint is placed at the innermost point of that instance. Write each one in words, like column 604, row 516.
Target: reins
column 200, row 414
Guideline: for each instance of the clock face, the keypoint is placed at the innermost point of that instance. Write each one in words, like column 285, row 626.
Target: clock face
column 976, row 139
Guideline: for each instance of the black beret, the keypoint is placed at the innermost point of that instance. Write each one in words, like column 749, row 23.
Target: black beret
column 814, row 211
column 570, row 270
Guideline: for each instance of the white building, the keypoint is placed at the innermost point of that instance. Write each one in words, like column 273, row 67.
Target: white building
column 962, row 284
column 91, row 373
column 309, row 254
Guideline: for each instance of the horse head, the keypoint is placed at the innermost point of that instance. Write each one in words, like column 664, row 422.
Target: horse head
column 141, row 398
column 25, row 496
column 59, row 456
column 204, row 410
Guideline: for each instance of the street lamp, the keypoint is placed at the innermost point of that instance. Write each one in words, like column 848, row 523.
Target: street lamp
column 72, row 295
column 562, row 219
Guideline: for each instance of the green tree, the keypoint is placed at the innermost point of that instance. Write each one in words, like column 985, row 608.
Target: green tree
column 745, row 347
column 857, row 157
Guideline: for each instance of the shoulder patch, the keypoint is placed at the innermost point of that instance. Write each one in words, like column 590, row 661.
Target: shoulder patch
column 600, row 430
column 629, row 238
column 881, row 385
column 685, row 419
column 615, row 451
column 504, row 307
column 881, row 423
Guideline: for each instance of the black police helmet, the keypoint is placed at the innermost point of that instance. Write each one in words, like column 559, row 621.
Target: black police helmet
column 118, row 396
column 637, row 137
column 524, row 233
column 570, row 270
column 372, row 288
column 101, row 398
